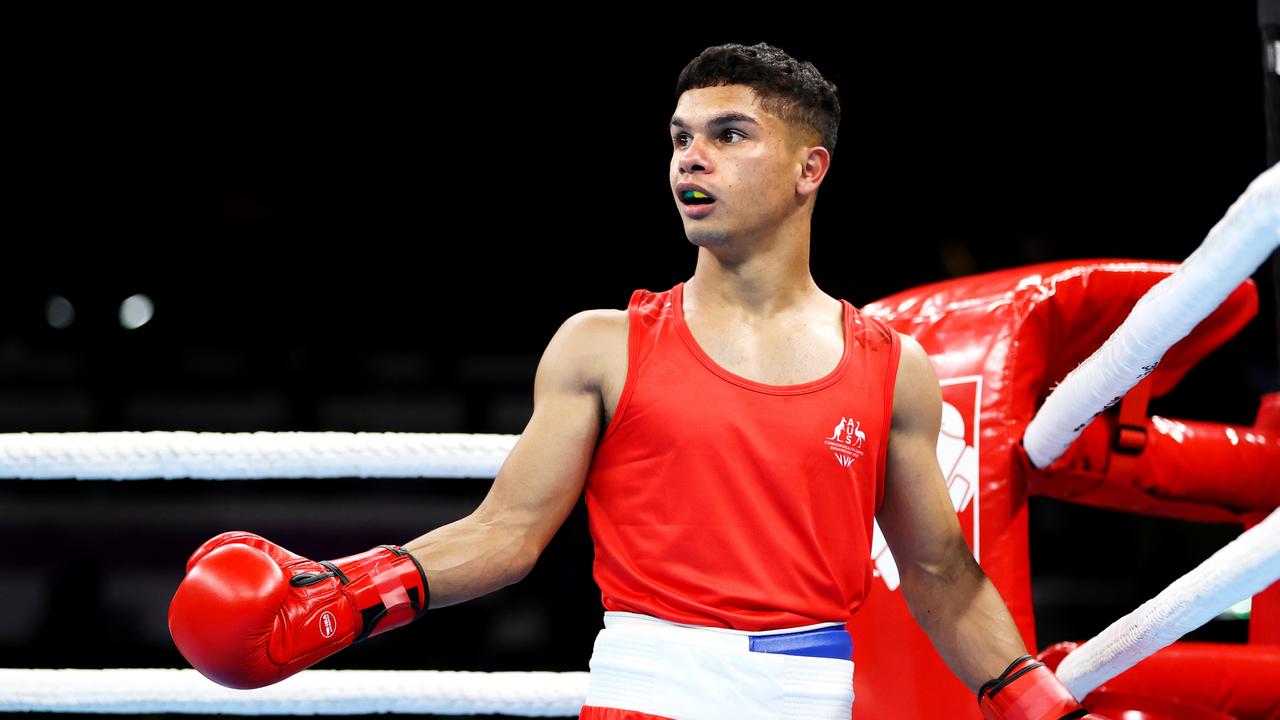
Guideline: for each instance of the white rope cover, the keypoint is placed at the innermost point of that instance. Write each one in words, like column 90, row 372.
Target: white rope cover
column 1234, row 248
column 1239, row 570
column 237, row 456
column 311, row 692
column 1245, row 566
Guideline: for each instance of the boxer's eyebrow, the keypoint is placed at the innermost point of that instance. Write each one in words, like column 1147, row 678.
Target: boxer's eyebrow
column 725, row 119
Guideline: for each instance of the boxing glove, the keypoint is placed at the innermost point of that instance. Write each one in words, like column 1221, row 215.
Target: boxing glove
column 250, row 613
column 1027, row 690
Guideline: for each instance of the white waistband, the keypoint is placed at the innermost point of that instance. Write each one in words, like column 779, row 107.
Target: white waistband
column 617, row 619
column 672, row 670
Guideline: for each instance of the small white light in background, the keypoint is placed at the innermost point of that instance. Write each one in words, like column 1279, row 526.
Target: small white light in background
column 136, row 311
column 1240, row 611
column 59, row 312
column 1243, row 608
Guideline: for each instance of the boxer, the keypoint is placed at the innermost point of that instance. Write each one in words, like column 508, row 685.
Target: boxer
column 735, row 436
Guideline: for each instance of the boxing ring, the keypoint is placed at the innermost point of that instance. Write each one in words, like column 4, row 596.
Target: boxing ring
column 1046, row 374
column 1030, row 360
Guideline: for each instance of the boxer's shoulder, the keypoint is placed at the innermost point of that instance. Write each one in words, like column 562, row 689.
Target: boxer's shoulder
column 917, row 397
column 596, row 340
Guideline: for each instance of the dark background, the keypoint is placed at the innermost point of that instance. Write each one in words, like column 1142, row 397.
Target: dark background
column 376, row 224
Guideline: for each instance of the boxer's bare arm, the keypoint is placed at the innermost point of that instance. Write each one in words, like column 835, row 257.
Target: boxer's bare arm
column 947, row 592
column 541, row 479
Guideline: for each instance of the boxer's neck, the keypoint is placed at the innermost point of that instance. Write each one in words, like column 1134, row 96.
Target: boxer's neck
column 763, row 287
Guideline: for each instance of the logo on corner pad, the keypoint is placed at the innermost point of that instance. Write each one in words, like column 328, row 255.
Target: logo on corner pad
column 846, row 441
column 958, row 439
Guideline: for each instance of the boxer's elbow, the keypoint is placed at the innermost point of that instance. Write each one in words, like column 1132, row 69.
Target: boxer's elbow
column 524, row 561
column 928, row 593
column 935, row 588
column 512, row 547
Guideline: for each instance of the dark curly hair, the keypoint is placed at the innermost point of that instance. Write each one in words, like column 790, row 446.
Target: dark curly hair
column 792, row 90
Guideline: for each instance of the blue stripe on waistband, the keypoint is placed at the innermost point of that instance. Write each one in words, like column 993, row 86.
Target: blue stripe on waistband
column 828, row 642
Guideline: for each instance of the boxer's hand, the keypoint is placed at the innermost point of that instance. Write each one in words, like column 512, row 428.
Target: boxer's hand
column 250, row 613
column 1028, row 690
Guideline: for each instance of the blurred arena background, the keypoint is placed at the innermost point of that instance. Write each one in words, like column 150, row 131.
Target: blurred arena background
column 377, row 227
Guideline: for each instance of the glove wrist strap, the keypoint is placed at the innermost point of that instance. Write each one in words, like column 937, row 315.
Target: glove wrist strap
column 386, row 585
column 1028, row 690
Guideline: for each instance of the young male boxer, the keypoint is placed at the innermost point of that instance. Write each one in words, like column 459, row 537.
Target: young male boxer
column 735, row 434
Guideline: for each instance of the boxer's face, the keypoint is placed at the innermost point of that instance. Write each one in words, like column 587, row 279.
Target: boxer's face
column 747, row 159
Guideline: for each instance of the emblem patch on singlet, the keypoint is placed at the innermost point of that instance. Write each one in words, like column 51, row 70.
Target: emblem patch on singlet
column 846, row 441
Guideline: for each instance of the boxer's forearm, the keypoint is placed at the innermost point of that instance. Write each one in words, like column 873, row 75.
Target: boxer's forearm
column 469, row 558
column 967, row 621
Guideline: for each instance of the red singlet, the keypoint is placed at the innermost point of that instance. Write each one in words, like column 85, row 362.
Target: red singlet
column 718, row 501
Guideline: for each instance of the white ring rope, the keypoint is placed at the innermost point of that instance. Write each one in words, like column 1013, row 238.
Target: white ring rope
column 1242, row 568
column 241, row 456
column 312, row 692
column 1234, row 248
column 1245, row 566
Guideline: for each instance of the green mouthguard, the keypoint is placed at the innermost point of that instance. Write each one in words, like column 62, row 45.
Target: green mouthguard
column 689, row 194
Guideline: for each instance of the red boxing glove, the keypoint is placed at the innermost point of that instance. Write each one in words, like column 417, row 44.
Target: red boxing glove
column 1027, row 690
column 250, row 613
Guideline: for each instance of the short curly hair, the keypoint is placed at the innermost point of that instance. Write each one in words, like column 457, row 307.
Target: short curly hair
column 792, row 90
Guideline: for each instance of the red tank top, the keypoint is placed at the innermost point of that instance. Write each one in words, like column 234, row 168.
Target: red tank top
column 719, row 501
